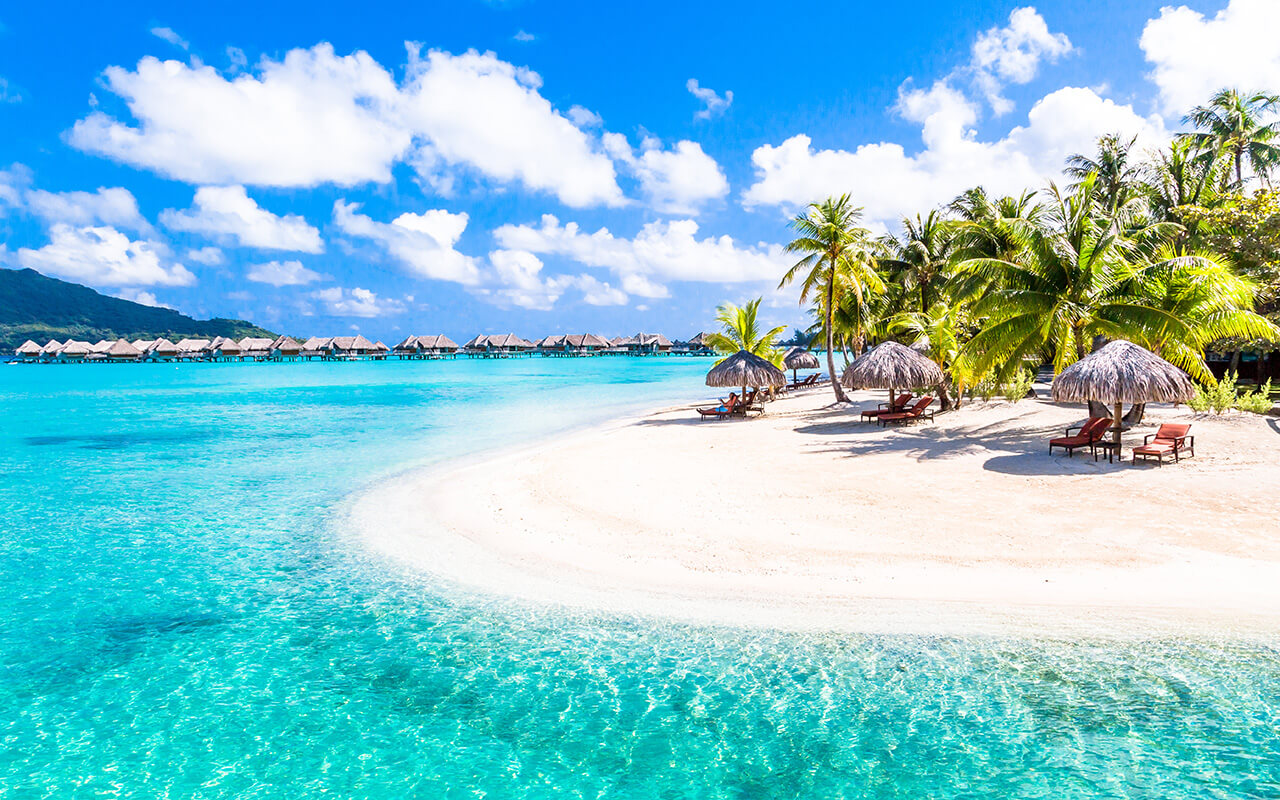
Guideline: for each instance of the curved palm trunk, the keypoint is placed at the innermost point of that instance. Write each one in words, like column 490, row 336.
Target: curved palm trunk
column 831, row 340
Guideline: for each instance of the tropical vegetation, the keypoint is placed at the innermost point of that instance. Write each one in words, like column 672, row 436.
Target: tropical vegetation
column 1176, row 249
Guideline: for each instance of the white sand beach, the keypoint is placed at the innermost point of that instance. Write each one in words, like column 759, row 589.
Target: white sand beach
column 807, row 518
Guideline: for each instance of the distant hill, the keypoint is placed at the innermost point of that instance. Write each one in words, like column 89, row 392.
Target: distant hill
column 34, row 306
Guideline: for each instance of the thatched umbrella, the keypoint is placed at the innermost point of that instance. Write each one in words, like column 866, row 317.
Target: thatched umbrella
column 745, row 369
column 799, row 358
column 1122, row 372
column 891, row 366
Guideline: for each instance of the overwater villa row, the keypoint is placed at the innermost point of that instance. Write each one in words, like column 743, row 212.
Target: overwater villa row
column 348, row 348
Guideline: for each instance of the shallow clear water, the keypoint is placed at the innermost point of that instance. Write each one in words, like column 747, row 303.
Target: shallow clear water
column 182, row 615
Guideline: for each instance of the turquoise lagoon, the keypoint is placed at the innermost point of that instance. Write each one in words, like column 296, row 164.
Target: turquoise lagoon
column 182, row 614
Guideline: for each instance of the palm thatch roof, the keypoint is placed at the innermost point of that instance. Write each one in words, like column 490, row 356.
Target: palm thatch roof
column 316, row 343
column 163, row 347
column 698, row 341
column 921, row 345
column 1123, row 372
column 381, row 347
column 102, row 346
column 255, row 344
column 800, row 358
column 225, row 345
column 74, row 348
column 122, row 349
column 192, row 345
column 286, row 344
column 745, row 369
column 29, row 348
column 143, row 345
column 890, row 365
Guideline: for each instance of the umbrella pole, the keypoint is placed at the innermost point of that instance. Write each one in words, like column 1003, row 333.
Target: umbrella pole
column 1119, row 414
column 892, row 392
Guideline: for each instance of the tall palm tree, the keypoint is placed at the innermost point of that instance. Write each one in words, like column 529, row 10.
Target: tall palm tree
column 940, row 330
column 740, row 329
column 921, row 260
column 1232, row 127
column 1117, row 174
column 1070, row 282
column 1176, row 178
column 837, row 258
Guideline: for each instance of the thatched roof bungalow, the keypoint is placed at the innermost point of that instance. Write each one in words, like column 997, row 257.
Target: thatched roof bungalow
column 351, row 346
column 222, row 347
column 506, row 343
column 28, row 349
column 286, row 347
column 73, row 350
column 648, row 343
column 101, row 347
column 193, row 348
column 121, row 350
column 51, row 349
column 163, row 350
column 573, row 344
column 421, row 346
column 143, row 345
column 255, row 347
column 698, row 344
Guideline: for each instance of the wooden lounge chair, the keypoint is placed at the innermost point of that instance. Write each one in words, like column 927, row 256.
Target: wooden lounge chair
column 1090, row 432
column 723, row 411
column 1170, row 440
column 750, row 403
column 898, row 407
column 916, row 412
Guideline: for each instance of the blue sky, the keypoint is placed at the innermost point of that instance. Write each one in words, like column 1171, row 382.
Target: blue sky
column 546, row 167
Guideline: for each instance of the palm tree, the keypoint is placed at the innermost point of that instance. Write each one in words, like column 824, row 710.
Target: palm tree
column 940, row 330
column 921, row 260
column 741, row 330
column 837, row 258
column 1175, row 178
column 1071, row 281
column 1117, row 175
column 1232, row 128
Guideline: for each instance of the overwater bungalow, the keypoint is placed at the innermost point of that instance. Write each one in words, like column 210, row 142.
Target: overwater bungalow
column 143, row 345
column 28, row 351
column 698, row 346
column 315, row 347
column 349, row 347
column 51, row 349
column 101, row 348
column 191, row 349
column 380, row 351
column 573, row 344
column 74, row 351
column 645, row 344
column 506, row 345
column 161, row 350
column 224, row 349
column 257, row 348
column 121, row 350
column 285, row 348
column 438, row 346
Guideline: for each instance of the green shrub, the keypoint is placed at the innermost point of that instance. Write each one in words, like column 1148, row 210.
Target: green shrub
column 1019, row 385
column 1258, row 402
column 1200, row 402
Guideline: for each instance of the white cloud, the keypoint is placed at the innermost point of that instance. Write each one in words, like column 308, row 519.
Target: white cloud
column 205, row 255
column 517, row 279
column 140, row 296
column 1012, row 54
column 227, row 212
column 675, row 181
column 662, row 251
column 109, row 206
column 1193, row 56
column 584, row 117
column 9, row 94
column 171, row 36
column 103, row 256
column 357, row 302
column 523, row 36
column 890, row 183
column 317, row 118
column 283, row 273
column 312, row 118
column 478, row 111
column 713, row 104
column 422, row 242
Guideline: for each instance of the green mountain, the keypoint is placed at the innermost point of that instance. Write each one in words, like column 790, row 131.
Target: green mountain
column 33, row 306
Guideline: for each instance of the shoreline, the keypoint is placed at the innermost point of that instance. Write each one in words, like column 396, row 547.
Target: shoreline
column 853, row 528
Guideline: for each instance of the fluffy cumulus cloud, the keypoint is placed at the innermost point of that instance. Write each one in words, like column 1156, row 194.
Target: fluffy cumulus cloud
column 660, row 252
column 357, row 302
column 316, row 117
column 713, row 104
column 1013, row 53
column 423, row 243
column 283, row 273
column 211, row 256
column 141, row 296
column 479, row 112
column 1193, row 56
column 517, row 279
column 891, row 183
column 675, row 181
column 309, row 119
column 113, row 206
column 228, row 213
column 103, row 256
